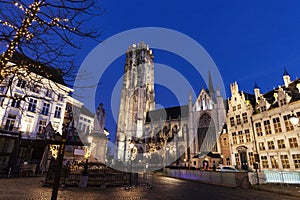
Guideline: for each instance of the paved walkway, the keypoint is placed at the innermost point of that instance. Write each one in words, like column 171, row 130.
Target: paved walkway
column 163, row 188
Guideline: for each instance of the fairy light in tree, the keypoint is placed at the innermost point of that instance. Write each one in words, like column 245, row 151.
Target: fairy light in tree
column 30, row 15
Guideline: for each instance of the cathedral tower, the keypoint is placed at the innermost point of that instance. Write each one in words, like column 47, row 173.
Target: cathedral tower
column 137, row 97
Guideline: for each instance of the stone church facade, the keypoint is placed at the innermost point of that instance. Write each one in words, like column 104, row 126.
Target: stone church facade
column 169, row 136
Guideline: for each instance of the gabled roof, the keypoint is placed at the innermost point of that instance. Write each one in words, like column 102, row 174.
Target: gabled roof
column 50, row 73
column 291, row 90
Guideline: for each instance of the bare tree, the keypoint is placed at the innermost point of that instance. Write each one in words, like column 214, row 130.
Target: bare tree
column 39, row 33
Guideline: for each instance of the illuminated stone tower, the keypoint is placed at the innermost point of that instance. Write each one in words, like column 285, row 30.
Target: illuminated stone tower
column 137, row 97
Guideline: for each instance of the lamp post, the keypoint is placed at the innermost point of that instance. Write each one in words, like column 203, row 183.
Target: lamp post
column 59, row 162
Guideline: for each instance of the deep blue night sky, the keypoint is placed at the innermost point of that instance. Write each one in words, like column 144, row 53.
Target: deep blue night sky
column 248, row 40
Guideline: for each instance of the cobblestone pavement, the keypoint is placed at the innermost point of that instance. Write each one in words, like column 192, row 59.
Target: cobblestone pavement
column 163, row 188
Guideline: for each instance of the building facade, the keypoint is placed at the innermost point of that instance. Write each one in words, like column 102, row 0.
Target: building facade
column 33, row 105
column 259, row 128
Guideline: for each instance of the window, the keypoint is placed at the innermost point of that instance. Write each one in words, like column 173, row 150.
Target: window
column 288, row 125
column 271, row 145
column 45, row 109
column 261, row 146
column 234, row 140
column 245, row 118
column 282, row 101
column 238, row 120
column 285, row 161
column 60, row 97
column 251, row 158
column 232, row 121
column 237, row 159
column 41, row 126
column 2, row 89
column 274, row 162
column 264, row 162
column 35, row 89
column 280, row 144
column 277, row 126
column 234, row 108
column 225, row 142
column 10, row 122
column 248, row 137
column 32, row 105
column 228, row 161
column 57, row 112
column 48, row 93
column 263, row 108
column 241, row 137
column 267, row 127
column 258, row 129
column 293, row 143
column 21, row 83
column 16, row 101
column 239, row 106
column 296, row 159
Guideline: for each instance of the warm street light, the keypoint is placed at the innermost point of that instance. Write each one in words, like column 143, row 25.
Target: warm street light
column 294, row 120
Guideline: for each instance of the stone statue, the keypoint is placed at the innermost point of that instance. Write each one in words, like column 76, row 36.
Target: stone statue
column 99, row 120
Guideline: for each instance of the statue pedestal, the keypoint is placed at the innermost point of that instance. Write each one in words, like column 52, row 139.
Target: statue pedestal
column 99, row 151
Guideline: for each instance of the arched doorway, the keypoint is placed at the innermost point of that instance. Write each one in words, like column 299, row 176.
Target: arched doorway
column 206, row 134
column 243, row 157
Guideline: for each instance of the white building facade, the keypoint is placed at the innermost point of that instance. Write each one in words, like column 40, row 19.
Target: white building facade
column 259, row 127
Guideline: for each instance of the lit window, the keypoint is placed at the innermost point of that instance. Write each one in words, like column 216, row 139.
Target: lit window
column 277, row 125
column 251, row 158
column 10, row 122
column 274, row 162
column 288, row 125
column 296, row 159
column 285, row 161
column 261, row 146
column 264, row 162
column 238, row 120
column 237, row 159
column 234, row 139
column 267, row 127
column 41, row 126
column 248, row 137
column 281, row 144
column 258, row 129
column 241, row 137
column 293, row 143
column 271, row 145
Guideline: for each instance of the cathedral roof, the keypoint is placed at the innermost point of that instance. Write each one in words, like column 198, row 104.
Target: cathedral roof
column 168, row 113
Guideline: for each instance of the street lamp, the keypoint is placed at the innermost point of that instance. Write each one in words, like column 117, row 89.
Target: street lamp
column 294, row 120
